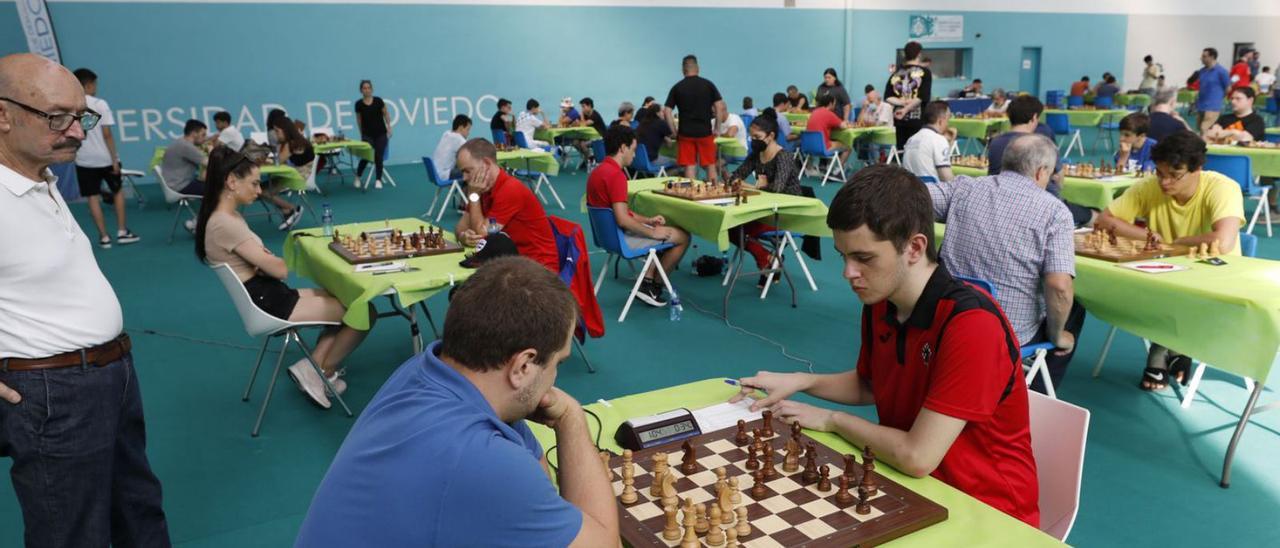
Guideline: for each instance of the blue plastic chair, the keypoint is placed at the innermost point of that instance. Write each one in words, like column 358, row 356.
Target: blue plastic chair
column 812, row 146
column 442, row 181
column 537, row 177
column 1248, row 244
column 642, row 164
column 928, row 179
column 1240, row 169
column 1075, row 101
column 1110, row 123
column 1273, row 137
column 1038, row 366
column 597, row 150
column 1104, row 102
column 746, row 121
column 499, row 137
column 609, row 236
column 1060, row 123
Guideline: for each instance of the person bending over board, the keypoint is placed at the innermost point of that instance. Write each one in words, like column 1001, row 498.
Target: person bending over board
column 938, row 358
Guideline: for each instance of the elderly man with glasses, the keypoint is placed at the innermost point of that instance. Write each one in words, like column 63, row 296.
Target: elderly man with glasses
column 70, row 408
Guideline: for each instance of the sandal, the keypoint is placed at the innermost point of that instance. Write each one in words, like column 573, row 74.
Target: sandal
column 1154, row 375
column 1180, row 365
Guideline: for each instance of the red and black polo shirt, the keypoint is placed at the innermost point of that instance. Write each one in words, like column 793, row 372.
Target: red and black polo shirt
column 957, row 355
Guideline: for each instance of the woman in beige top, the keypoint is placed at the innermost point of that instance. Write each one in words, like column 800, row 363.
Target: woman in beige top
column 223, row 237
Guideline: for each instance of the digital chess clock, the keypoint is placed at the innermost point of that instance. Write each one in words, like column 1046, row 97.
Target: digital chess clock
column 645, row 432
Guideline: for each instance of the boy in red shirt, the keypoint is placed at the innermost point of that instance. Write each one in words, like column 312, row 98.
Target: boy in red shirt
column 493, row 194
column 607, row 187
column 938, row 358
column 822, row 119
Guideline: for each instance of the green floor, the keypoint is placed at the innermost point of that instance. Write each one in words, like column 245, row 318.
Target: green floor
column 1150, row 464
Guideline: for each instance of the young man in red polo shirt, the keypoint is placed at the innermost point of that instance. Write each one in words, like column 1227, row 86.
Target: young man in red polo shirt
column 938, row 358
column 498, row 202
column 698, row 101
column 607, row 187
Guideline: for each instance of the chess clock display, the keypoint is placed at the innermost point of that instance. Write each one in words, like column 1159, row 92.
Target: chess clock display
column 654, row 430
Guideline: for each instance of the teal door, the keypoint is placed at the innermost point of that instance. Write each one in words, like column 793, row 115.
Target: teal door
column 1029, row 74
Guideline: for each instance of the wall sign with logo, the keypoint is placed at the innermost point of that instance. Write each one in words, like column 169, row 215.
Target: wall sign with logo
column 936, row 28
column 38, row 26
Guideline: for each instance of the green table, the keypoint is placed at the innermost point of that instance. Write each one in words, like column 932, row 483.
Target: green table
column 801, row 118
column 1227, row 316
column 1266, row 162
column 286, row 176
column 359, row 149
column 1085, row 117
column 978, row 128
column 879, row 135
column 310, row 257
column 1133, row 99
column 1094, row 193
column 580, row 132
column 1187, row 96
column 712, row 222
column 530, row 159
column 967, row 518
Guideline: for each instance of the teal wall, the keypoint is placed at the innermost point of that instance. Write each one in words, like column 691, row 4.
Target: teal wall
column 163, row 63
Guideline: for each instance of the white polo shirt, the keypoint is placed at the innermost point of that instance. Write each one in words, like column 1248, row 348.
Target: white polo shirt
column 925, row 152
column 93, row 150
column 53, row 296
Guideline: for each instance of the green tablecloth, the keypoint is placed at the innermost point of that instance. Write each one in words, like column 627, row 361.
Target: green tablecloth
column 1187, row 95
column 286, row 176
column 359, row 149
column 797, row 117
column 712, row 222
column 1086, row 118
column 967, row 518
column 1133, row 99
column 1273, row 131
column 978, row 128
column 310, row 257
column 1266, row 162
column 536, row 160
column 549, row 134
column 880, row 135
column 1228, row 316
column 1097, row 194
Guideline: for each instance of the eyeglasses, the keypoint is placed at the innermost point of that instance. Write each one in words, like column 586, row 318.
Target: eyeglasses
column 61, row 121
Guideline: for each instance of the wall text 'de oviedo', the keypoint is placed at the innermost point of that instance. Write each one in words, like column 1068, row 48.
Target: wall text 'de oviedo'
column 156, row 124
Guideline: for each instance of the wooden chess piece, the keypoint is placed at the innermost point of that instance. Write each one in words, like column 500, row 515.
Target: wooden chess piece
column 672, row 530
column 669, row 488
column 743, row 526
column 791, row 461
column 608, row 472
column 724, row 499
column 689, row 466
column 795, row 431
column 715, row 536
column 690, row 539
column 720, row 475
column 731, row 538
column 742, row 438
column 701, row 525
column 863, row 506
column 843, row 496
column 1214, row 248
column 824, row 484
column 810, row 473
column 752, row 463
column 766, row 420
column 758, row 490
column 735, row 495
column 850, row 462
column 659, row 469
column 868, row 472
column 770, row 472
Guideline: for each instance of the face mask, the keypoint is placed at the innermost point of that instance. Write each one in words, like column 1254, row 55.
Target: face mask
column 758, row 146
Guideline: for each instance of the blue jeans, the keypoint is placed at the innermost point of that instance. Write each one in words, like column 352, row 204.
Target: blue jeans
column 80, row 470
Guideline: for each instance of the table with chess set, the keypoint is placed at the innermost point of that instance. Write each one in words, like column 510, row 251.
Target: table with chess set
column 689, row 189
column 391, row 244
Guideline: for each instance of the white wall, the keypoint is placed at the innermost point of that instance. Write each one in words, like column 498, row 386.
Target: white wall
column 1177, row 40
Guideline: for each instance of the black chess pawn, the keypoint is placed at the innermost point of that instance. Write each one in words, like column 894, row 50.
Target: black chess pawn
column 766, row 423
column 742, row 438
column 824, row 484
column 752, row 463
column 863, row 507
column 769, row 471
column 843, row 496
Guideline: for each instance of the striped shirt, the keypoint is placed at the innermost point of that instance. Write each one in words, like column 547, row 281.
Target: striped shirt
column 1007, row 230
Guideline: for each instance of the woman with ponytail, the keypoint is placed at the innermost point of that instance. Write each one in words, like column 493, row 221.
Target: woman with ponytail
column 776, row 171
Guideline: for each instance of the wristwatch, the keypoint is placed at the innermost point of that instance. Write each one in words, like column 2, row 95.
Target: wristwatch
column 473, row 197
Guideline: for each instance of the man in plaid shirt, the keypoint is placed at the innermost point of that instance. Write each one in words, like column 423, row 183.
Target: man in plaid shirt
column 1008, row 230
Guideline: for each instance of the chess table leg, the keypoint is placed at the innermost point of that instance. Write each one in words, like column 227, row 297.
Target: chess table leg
column 1235, row 437
column 430, row 321
column 1102, row 356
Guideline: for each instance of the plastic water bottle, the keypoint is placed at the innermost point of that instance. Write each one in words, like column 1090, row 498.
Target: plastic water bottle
column 676, row 309
column 327, row 220
column 493, row 225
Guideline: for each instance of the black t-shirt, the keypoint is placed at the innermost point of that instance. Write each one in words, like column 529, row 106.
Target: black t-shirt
column 694, row 98
column 499, row 122
column 1253, row 123
column 302, row 157
column 911, row 82
column 371, row 122
column 596, row 122
column 651, row 135
column 837, row 93
column 1163, row 125
column 800, row 101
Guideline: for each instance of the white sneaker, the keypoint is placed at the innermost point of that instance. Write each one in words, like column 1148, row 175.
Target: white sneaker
column 377, row 184
column 339, row 385
column 309, row 382
column 291, row 219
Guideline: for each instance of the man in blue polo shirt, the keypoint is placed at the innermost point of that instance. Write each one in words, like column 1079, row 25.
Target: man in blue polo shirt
column 1214, row 82
column 442, row 455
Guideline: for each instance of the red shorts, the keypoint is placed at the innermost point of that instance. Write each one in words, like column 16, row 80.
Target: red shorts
column 700, row 151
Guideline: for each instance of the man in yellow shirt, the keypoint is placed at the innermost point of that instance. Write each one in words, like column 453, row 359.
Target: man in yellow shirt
column 1184, row 205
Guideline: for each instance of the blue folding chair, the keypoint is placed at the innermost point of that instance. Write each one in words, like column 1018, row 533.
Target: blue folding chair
column 609, row 236
column 928, row 179
column 499, row 137
column 597, row 150
column 1074, row 101
column 812, row 146
column 1240, row 169
column 1060, row 123
column 537, row 178
column 442, row 181
column 1104, row 102
column 1039, row 367
column 1110, row 123
column 746, row 121
column 642, row 164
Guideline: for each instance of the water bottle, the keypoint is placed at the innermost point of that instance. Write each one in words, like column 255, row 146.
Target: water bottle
column 493, row 225
column 327, row 220
column 676, row 309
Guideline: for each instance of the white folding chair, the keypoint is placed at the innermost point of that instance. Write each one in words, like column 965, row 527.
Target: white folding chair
column 302, row 195
column 1039, row 366
column 258, row 323
column 1059, row 432
column 259, row 137
column 128, row 175
column 784, row 242
column 332, row 158
column 172, row 196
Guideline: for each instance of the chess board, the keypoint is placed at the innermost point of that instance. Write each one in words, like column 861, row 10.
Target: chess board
column 979, row 162
column 790, row 514
column 705, row 193
column 1124, row 250
column 381, row 248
